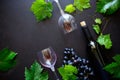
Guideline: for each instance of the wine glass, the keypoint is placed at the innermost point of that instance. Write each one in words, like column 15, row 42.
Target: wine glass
column 47, row 58
column 66, row 21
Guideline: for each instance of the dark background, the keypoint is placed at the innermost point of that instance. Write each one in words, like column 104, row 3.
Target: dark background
column 20, row 32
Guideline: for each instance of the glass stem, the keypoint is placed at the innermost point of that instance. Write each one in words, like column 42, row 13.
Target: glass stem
column 53, row 69
column 56, row 75
column 59, row 6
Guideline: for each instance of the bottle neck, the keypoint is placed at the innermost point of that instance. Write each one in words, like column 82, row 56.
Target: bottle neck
column 87, row 34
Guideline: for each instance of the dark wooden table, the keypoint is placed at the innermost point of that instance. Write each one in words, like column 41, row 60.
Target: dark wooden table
column 20, row 32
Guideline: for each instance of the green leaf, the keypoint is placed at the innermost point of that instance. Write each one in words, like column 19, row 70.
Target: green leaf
column 41, row 9
column 114, row 67
column 82, row 4
column 105, row 40
column 68, row 72
column 117, row 58
column 111, row 67
column 96, row 28
column 7, row 59
column 98, row 21
column 35, row 72
column 70, row 8
column 108, row 6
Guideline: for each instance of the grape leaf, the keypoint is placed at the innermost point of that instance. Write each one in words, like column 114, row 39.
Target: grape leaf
column 105, row 40
column 96, row 28
column 41, row 9
column 68, row 72
column 108, row 6
column 7, row 59
column 70, row 8
column 117, row 58
column 98, row 21
column 35, row 72
column 114, row 67
column 82, row 4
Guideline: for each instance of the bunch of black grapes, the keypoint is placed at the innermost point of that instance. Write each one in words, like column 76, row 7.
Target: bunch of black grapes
column 85, row 72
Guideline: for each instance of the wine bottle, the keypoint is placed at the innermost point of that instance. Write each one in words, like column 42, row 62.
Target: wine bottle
column 95, row 54
column 93, row 45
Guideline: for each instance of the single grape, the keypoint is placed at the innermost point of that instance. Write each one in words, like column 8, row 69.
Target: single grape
column 81, row 74
column 66, row 48
column 84, row 61
column 65, row 52
column 65, row 57
column 73, row 58
column 65, row 62
column 72, row 49
column 91, row 73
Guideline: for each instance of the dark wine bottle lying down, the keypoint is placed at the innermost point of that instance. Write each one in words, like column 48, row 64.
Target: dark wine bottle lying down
column 94, row 54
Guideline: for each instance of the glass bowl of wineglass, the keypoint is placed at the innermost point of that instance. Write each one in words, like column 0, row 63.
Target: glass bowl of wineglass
column 66, row 21
column 47, row 58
